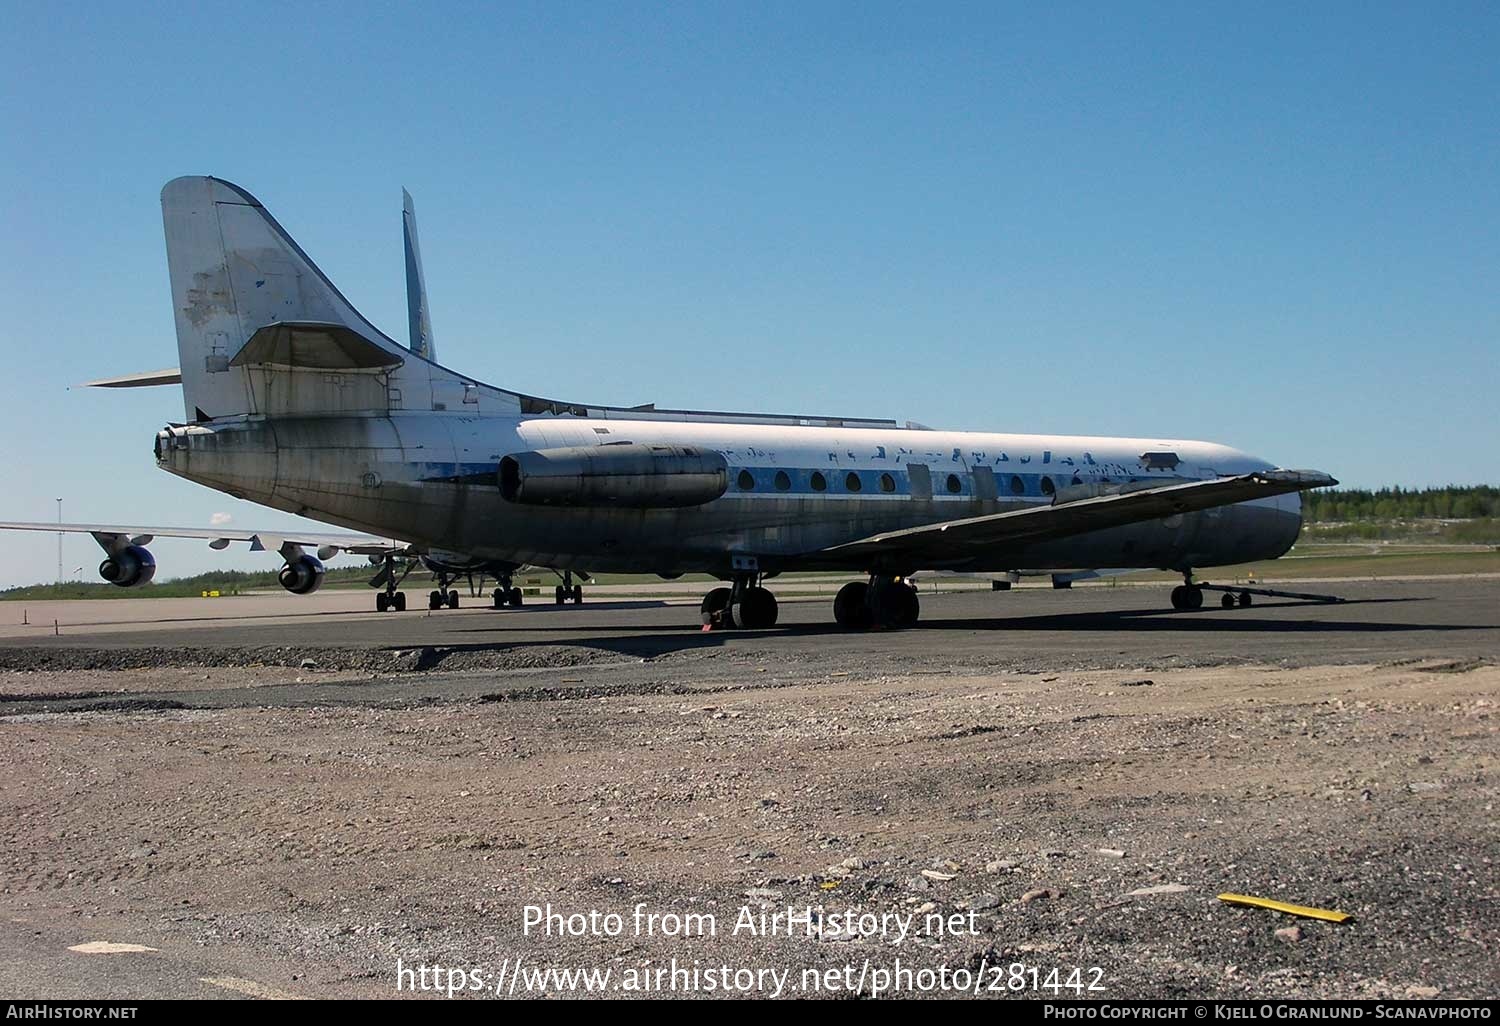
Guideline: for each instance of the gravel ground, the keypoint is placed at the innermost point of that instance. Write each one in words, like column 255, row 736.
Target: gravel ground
column 306, row 847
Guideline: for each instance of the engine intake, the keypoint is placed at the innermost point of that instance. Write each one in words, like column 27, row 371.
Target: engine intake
column 625, row 474
column 128, row 568
column 302, row 576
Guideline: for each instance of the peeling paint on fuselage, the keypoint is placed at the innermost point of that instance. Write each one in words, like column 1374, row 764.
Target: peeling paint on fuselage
column 423, row 477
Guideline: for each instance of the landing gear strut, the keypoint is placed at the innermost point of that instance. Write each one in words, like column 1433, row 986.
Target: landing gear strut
column 885, row 602
column 744, row 604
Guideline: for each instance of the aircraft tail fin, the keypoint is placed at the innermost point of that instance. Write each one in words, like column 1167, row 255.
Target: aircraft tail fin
column 234, row 272
column 418, row 314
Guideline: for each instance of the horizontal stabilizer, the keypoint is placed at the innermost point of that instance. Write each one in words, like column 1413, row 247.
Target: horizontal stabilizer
column 145, row 379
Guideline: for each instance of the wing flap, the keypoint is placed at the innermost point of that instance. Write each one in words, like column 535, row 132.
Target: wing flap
column 1044, row 523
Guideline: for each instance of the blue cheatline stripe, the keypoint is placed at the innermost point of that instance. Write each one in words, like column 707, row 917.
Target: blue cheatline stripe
column 800, row 480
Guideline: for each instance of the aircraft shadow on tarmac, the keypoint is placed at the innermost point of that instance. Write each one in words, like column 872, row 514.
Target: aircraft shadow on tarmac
column 635, row 640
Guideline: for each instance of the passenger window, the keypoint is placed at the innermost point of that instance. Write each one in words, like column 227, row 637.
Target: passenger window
column 954, row 484
column 887, row 483
column 783, row 482
column 851, row 481
column 819, row 482
column 1048, row 487
column 1017, row 486
column 747, row 481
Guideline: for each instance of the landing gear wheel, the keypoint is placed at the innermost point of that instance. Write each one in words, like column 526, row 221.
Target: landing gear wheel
column 893, row 604
column 398, row 601
column 453, row 600
column 382, row 602
column 1227, row 601
column 577, row 594
column 435, row 600
column 757, row 609
column 715, row 606
column 562, row 594
column 1187, row 596
column 497, row 597
column 849, row 606
column 515, row 598
column 1245, row 599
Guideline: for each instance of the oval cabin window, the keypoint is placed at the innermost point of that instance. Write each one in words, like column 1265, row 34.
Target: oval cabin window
column 851, row 482
column 783, row 482
column 747, row 481
column 887, row 483
column 819, row 482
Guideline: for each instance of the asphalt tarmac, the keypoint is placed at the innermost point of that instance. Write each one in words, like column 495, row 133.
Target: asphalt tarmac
column 1027, row 628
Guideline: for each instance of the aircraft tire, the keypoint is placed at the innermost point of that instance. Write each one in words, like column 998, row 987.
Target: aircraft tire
column 453, row 600
column 515, row 598
column 850, row 610
column 435, row 600
column 382, row 602
column 561, row 594
column 715, row 607
column 1227, row 601
column 1245, row 599
column 893, row 604
column 1194, row 597
column 1179, row 597
column 497, row 597
column 577, row 594
column 757, row 609
column 398, row 600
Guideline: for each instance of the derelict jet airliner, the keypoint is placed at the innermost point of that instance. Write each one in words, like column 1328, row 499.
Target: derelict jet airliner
column 295, row 401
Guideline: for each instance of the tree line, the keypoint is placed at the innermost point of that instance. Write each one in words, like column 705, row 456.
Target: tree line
column 1335, row 505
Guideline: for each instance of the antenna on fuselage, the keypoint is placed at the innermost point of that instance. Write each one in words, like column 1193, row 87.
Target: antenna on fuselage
column 418, row 317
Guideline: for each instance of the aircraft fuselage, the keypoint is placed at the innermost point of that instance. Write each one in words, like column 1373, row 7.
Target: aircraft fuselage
column 792, row 491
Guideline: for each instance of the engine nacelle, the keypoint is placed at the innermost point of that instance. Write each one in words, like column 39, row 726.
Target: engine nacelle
column 625, row 474
column 128, row 568
column 302, row 576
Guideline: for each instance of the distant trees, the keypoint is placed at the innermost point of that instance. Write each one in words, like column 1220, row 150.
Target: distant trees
column 1339, row 505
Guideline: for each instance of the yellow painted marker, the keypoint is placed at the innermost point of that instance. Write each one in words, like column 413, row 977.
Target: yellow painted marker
column 1282, row 906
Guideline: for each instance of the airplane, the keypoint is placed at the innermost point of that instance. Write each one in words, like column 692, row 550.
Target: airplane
column 295, row 401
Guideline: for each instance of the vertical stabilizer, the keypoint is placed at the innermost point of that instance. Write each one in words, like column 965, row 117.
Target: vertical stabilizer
column 235, row 271
column 419, row 320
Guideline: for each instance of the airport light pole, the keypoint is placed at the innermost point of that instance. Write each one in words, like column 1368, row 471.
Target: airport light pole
column 59, row 539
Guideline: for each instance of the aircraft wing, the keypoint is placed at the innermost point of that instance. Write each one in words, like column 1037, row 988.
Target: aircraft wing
column 219, row 538
column 956, row 540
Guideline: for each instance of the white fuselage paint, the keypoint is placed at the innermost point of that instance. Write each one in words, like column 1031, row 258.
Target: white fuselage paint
column 423, row 476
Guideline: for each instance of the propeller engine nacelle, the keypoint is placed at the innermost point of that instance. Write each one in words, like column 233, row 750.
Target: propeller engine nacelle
column 302, row 576
column 129, row 567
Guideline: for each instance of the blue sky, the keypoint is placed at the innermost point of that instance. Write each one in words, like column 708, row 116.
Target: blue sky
column 1275, row 226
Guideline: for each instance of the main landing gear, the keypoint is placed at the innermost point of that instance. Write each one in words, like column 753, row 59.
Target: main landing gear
column 507, row 594
column 389, row 598
column 567, row 591
column 886, row 602
column 443, row 596
column 744, row 604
